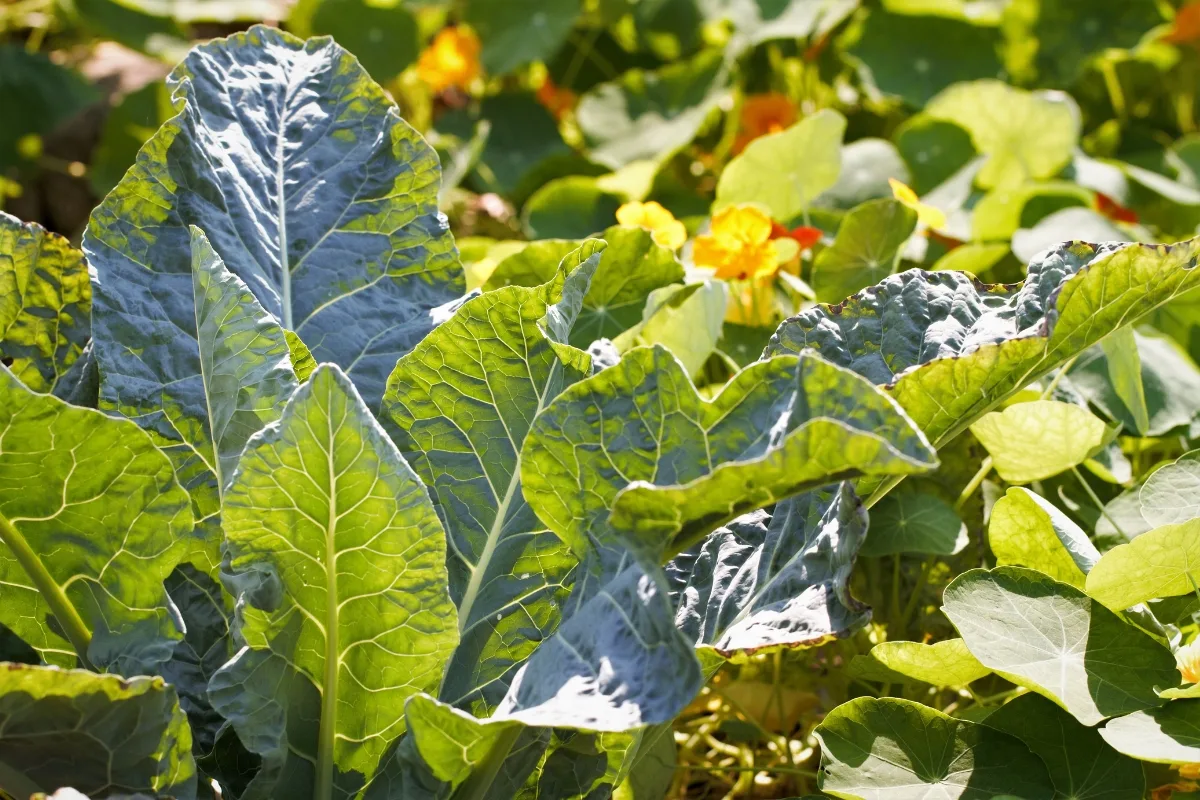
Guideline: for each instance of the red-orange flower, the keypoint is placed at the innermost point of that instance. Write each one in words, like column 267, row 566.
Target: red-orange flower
column 1186, row 27
column 451, row 60
column 557, row 100
column 1114, row 210
column 805, row 235
column 763, row 114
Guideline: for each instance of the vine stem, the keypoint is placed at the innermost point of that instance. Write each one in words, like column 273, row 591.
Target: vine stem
column 64, row 611
column 1087, row 487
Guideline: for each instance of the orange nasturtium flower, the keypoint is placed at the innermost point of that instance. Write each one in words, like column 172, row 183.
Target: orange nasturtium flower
column 555, row 99
column 739, row 245
column 451, row 59
column 932, row 216
column 664, row 228
column 1187, row 660
column 763, row 114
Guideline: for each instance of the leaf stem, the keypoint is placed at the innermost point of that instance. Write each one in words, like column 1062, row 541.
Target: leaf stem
column 984, row 468
column 1087, row 487
column 477, row 784
column 64, row 611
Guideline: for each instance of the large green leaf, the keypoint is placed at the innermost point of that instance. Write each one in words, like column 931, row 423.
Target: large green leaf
column 1026, row 530
column 770, row 581
column 631, row 267
column 339, row 558
column 945, row 663
column 1024, row 134
column 637, row 441
column 516, row 32
column 1054, row 639
column 101, row 734
column 687, row 319
column 786, row 171
column 650, row 115
column 892, row 749
column 1167, row 735
column 1037, row 440
column 45, row 304
column 459, row 408
column 1081, row 764
column 949, row 350
column 914, row 522
column 867, row 249
column 92, row 521
column 384, row 38
column 1164, row 562
column 326, row 208
column 1172, row 494
column 1067, row 34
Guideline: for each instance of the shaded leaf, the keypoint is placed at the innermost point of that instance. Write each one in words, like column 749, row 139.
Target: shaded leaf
column 569, row 208
column 914, row 523
column 319, row 496
column 1125, row 375
column 1052, row 638
column 384, row 38
column 867, row 249
column 892, row 749
column 767, row 581
column 45, row 303
column 516, row 32
column 91, row 523
column 103, row 734
column 46, row 93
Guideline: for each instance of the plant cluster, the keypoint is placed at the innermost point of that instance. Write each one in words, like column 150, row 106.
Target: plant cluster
column 600, row 399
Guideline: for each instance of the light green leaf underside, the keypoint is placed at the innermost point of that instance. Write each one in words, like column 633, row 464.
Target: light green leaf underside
column 1025, row 530
column 949, row 350
column 638, row 440
column 1081, row 764
column 687, row 319
column 340, row 560
column 1166, row 735
column 784, row 172
column 1164, row 562
column 1037, row 440
column 104, row 734
column 45, row 303
column 91, row 523
column 945, row 663
column 1052, row 638
column 459, row 408
column 630, row 269
column 892, row 749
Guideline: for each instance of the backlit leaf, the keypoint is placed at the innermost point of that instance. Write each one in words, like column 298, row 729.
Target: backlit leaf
column 867, row 249
column 945, row 663
column 1025, row 530
column 1162, row 563
column 1036, row 440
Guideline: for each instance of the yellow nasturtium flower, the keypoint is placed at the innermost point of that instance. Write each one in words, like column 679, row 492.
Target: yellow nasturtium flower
column 932, row 216
column 451, row 59
column 664, row 228
column 1187, row 660
column 739, row 244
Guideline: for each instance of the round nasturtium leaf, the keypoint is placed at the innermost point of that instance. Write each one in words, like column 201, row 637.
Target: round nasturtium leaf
column 1172, row 494
column 383, row 38
column 867, row 249
column 1033, row 441
column 946, row 663
column 1162, row 563
column 1026, row 530
column 1026, row 135
column 1166, row 735
column 913, row 522
column 516, row 32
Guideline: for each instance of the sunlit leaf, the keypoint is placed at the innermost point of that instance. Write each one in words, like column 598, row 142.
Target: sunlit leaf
column 867, row 249
column 1032, row 441
column 1162, row 563
column 1025, row 530
column 945, row 663
column 1167, row 735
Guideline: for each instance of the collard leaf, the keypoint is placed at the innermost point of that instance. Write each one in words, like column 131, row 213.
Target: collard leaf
column 103, row 734
column 1024, row 134
column 319, row 497
column 1166, row 735
column 866, row 250
column 914, row 523
column 1172, row 494
column 1162, row 563
column 630, row 269
column 945, row 663
column 92, row 521
column 459, row 408
column 949, row 350
column 327, row 210
column 1026, row 530
column 773, row 581
column 638, row 440
column 1052, row 638
column 45, row 304
column 892, row 749
column 519, row 31
column 650, row 115
column 1036, row 440
column 1081, row 764
column 245, row 358
column 786, row 171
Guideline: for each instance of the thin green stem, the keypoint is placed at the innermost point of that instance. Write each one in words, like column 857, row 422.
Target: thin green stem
column 1087, row 487
column 1058, row 376
column 984, row 468
column 64, row 610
